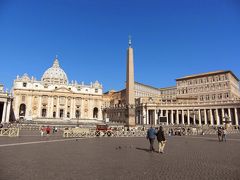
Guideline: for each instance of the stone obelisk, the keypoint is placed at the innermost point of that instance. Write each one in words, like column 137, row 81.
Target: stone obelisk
column 130, row 94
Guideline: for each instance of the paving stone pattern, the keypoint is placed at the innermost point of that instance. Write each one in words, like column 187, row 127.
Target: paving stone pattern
column 201, row 157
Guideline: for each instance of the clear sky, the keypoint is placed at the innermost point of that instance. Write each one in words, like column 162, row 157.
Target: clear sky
column 171, row 39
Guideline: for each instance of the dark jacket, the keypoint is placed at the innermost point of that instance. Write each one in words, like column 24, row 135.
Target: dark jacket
column 160, row 135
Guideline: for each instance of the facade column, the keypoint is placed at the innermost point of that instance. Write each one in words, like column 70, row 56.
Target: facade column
column 29, row 112
column 66, row 107
column 71, row 109
column 8, row 111
column 49, row 107
column 188, row 117
column 205, row 116
column 217, row 115
column 4, row 112
column 177, row 118
column 16, row 107
column 199, row 117
column 40, row 107
column 229, row 115
column 236, row 116
column 57, row 113
column 183, row 117
column 172, row 121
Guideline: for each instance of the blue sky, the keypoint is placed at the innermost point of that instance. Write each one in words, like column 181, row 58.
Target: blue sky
column 171, row 39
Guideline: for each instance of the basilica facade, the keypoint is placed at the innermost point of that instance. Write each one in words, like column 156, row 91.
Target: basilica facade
column 54, row 97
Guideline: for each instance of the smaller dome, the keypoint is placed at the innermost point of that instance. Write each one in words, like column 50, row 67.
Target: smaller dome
column 55, row 75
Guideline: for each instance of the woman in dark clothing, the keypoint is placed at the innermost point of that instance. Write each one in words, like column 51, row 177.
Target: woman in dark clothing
column 161, row 140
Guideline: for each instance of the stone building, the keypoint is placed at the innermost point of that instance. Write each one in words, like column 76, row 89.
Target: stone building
column 203, row 99
column 5, row 105
column 54, row 97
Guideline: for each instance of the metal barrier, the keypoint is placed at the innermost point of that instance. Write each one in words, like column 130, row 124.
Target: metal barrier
column 10, row 132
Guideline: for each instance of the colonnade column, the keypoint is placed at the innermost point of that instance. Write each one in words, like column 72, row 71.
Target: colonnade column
column 144, row 116
column 183, row 117
column 188, row 117
column 236, row 116
column 147, row 121
column 155, row 116
column 172, row 122
column 194, row 117
column 167, row 116
column 211, row 116
column 229, row 115
column 177, row 118
column 4, row 112
column 223, row 114
column 199, row 117
column 8, row 111
column 205, row 116
column 218, row 120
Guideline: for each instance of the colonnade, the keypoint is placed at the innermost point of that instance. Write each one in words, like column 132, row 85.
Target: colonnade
column 189, row 116
column 6, row 111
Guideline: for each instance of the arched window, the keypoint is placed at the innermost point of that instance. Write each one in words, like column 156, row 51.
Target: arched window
column 95, row 112
column 22, row 110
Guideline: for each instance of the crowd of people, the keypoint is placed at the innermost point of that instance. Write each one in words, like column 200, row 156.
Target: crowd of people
column 47, row 130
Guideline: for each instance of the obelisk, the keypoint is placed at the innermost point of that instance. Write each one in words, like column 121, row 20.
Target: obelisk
column 130, row 95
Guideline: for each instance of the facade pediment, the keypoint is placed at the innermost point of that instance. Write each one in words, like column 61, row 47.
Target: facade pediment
column 62, row 89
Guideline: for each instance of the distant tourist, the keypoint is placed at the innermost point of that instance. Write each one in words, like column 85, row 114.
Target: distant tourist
column 42, row 130
column 219, row 134
column 48, row 129
column 224, row 134
column 151, row 134
column 161, row 140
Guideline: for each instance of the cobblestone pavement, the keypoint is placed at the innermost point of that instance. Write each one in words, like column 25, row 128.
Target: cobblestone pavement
column 186, row 157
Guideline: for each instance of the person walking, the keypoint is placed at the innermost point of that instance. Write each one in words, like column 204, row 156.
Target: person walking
column 219, row 133
column 42, row 130
column 224, row 134
column 151, row 134
column 48, row 130
column 161, row 140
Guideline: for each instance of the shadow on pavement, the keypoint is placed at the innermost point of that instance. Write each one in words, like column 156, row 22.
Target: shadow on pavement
column 143, row 149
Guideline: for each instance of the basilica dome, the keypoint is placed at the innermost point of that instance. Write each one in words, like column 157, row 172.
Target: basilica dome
column 55, row 75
